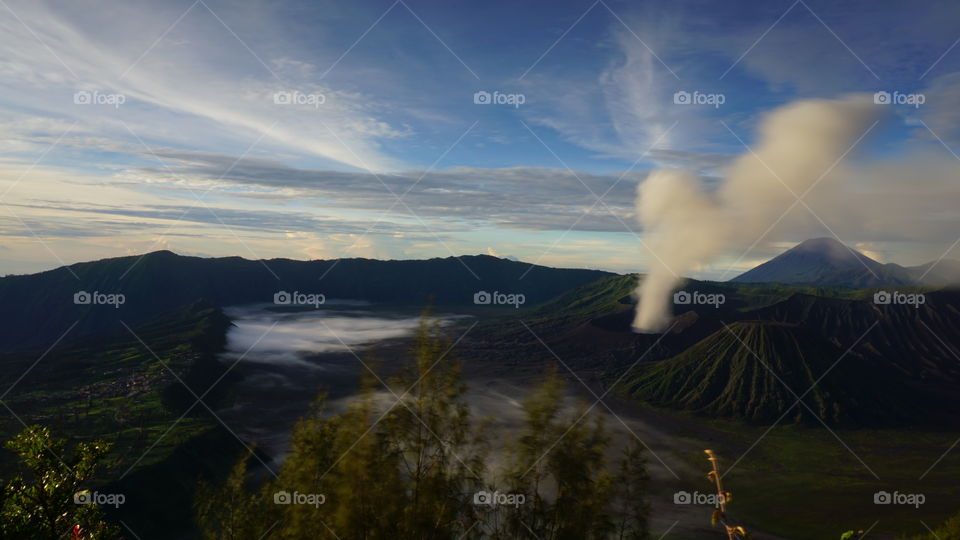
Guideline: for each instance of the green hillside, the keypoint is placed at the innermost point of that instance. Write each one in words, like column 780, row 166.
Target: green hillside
column 918, row 341
column 748, row 372
column 609, row 293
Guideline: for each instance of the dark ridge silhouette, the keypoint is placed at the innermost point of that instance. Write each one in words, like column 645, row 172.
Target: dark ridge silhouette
column 36, row 309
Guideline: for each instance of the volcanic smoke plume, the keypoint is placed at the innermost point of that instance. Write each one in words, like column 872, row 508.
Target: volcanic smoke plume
column 800, row 144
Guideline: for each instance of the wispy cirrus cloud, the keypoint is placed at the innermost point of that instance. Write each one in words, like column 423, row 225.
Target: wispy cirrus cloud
column 195, row 84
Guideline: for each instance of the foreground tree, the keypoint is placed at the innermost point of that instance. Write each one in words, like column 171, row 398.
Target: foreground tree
column 395, row 464
column 230, row 512
column 633, row 483
column 47, row 500
column 440, row 452
column 557, row 462
column 408, row 463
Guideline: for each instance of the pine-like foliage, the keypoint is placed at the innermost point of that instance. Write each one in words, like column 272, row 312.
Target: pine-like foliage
column 408, row 462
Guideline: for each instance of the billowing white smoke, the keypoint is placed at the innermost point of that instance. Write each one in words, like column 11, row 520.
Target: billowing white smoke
column 685, row 226
column 682, row 228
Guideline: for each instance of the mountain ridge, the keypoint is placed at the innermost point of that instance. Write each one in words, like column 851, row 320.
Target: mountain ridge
column 37, row 308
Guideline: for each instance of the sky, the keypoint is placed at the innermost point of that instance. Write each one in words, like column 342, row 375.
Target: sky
column 416, row 129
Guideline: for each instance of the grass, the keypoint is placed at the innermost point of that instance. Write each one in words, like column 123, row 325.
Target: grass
column 802, row 483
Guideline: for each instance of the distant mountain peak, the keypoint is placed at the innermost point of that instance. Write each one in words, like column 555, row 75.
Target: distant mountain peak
column 824, row 242
column 826, row 262
column 829, row 249
column 160, row 253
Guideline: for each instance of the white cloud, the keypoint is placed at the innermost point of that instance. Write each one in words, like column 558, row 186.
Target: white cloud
column 198, row 86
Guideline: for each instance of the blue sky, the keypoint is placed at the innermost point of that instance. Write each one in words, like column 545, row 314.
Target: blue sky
column 199, row 157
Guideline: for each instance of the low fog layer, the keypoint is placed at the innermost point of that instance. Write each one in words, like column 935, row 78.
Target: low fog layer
column 303, row 333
